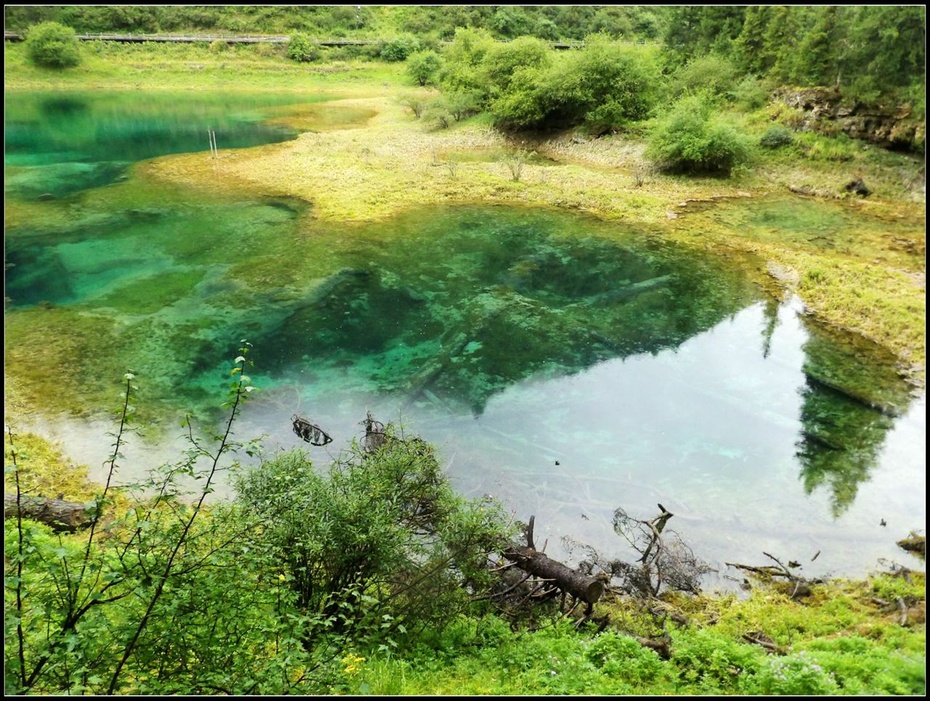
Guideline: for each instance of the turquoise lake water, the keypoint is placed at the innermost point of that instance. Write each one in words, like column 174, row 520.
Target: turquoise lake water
column 562, row 364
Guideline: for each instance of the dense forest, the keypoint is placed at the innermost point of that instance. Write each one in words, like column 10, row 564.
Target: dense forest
column 870, row 52
column 372, row 574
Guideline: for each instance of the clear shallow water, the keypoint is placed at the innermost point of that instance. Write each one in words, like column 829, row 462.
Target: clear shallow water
column 514, row 339
column 63, row 143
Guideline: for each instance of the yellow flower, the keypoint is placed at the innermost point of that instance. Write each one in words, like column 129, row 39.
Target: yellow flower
column 351, row 663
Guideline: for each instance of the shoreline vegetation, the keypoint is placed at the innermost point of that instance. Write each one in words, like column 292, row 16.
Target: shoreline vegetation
column 388, row 161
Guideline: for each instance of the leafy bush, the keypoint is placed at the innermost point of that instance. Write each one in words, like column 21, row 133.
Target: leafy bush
column 462, row 62
column 53, row 45
column 379, row 543
column 399, row 48
column 691, row 139
column 437, row 114
column 525, row 103
column 423, row 66
column 605, row 85
column 303, row 48
column 463, row 104
column 712, row 74
column 777, row 136
column 414, row 102
column 503, row 60
column 749, row 93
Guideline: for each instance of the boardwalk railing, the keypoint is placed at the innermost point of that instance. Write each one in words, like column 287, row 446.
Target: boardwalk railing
column 239, row 39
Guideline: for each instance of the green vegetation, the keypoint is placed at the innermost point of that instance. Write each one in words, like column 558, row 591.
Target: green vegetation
column 52, row 45
column 303, row 48
column 422, row 66
column 694, row 139
column 315, row 582
column 380, row 544
column 870, row 52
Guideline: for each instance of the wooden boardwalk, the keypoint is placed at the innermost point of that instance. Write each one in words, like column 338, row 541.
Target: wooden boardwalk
column 237, row 39
column 204, row 38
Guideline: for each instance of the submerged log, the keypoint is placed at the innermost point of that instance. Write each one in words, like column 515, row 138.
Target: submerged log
column 630, row 290
column 61, row 516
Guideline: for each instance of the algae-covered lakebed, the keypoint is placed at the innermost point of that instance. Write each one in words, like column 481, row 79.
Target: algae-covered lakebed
column 564, row 364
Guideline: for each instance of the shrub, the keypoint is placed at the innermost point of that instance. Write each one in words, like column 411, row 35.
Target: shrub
column 776, row 137
column 438, row 115
column 748, row 94
column 413, row 102
column 524, row 105
column 463, row 104
column 606, row 85
column 462, row 68
column 53, row 45
column 423, row 66
column 502, row 61
column 693, row 140
column 303, row 48
column 378, row 541
column 399, row 48
column 712, row 74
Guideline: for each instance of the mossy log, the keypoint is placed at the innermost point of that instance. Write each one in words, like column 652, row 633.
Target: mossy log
column 61, row 516
column 628, row 291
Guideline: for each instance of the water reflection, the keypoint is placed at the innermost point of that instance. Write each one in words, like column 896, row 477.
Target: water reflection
column 851, row 396
column 63, row 144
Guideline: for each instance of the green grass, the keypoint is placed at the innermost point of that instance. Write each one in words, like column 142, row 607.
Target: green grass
column 197, row 66
column 835, row 643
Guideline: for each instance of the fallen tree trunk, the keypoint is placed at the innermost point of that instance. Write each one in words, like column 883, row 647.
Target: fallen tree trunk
column 583, row 587
column 67, row 516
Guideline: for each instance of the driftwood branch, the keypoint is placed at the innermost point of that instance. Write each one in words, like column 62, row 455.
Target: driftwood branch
column 62, row 516
column 767, row 643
